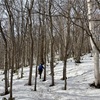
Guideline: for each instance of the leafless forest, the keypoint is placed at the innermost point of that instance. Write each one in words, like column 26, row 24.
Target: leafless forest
column 35, row 31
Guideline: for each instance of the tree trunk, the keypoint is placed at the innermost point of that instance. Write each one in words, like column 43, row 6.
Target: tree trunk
column 36, row 74
column 65, row 79
column 45, row 59
column 66, row 47
column 6, row 63
column 31, row 63
column 11, row 28
column 95, row 51
column 12, row 70
column 31, row 37
column 51, row 63
column 35, row 85
column 52, row 45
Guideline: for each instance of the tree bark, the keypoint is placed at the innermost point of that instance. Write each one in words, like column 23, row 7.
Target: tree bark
column 95, row 51
column 6, row 63
column 32, row 42
column 52, row 45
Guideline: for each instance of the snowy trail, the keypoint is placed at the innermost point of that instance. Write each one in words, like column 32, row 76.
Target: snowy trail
column 79, row 76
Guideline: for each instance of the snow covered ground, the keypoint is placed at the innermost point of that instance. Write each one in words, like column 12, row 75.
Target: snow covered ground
column 79, row 76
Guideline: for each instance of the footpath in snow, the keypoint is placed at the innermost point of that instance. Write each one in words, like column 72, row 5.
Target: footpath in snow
column 79, row 76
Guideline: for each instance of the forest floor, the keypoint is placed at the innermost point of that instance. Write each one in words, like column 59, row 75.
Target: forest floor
column 79, row 77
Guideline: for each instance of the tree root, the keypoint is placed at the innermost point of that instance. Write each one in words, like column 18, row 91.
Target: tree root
column 94, row 86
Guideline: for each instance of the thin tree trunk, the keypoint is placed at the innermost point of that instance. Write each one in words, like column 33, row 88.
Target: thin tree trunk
column 11, row 23
column 32, row 42
column 52, row 45
column 31, row 64
column 45, row 59
column 6, row 63
column 66, row 46
column 35, row 89
column 65, row 63
column 35, row 86
column 12, row 70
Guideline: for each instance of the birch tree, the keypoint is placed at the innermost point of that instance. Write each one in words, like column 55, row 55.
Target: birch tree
column 94, row 47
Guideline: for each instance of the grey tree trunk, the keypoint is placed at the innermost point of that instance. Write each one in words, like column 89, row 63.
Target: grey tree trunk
column 6, row 63
column 52, row 45
column 37, row 58
column 32, row 42
column 45, row 58
column 11, row 23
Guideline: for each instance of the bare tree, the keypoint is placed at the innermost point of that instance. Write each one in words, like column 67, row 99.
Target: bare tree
column 29, row 8
column 52, row 44
column 6, row 62
column 11, row 23
column 93, row 45
column 67, row 44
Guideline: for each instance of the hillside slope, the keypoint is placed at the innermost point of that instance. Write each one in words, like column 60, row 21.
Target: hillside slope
column 79, row 76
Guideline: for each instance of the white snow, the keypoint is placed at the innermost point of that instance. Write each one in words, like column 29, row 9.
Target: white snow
column 79, row 77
